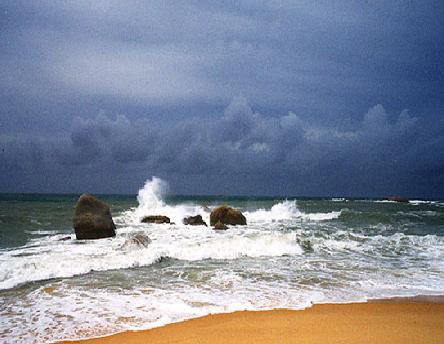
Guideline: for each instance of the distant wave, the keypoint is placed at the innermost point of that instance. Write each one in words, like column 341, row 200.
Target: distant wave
column 286, row 211
column 41, row 232
column 419, row 202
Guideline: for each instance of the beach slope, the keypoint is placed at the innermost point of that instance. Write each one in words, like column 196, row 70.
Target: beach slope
column 374, row 322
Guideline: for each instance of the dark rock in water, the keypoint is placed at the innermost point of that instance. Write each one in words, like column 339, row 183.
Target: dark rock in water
column 305, row 244
column 141, row 240
column 220, row 226
column 156, row 219
column 227, row 215
column 194, row 221
column 137, row 240
column 398, row 199
column 65, row 238
column 92, row 219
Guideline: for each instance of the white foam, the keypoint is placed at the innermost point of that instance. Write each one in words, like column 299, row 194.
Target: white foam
column 418, row 202
column 322, row 216
column 283, row 211
column 287, row 211
column 48, row 258
column 60, row 315
column 384, row 201
column 338, row 199
column 151, row 202
column 150, row 196
column 41, row 232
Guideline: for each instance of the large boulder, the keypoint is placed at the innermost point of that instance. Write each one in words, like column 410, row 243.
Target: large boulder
column 156, row 219
column 194, row 221
column 227, row 215
column 92, row 219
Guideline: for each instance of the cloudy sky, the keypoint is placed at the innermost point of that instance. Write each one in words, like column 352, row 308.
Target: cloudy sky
column 264, row 97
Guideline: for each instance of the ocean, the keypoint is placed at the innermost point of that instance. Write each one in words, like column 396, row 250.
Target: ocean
column 294, row 252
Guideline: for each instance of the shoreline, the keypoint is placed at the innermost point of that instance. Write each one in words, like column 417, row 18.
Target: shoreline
column 416, row 319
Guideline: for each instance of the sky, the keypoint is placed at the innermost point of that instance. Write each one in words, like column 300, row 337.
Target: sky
column 297, row 98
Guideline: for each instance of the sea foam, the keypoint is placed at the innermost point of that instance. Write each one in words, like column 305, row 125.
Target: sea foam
column 151, row 202
column 288, row 211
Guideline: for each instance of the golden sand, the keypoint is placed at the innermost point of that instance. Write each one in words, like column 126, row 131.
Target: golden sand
column 375, row 322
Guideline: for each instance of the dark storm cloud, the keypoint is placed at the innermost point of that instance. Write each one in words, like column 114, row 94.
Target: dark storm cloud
column 169, row 75
column 169, row 52
column 90, row 139
column 250, row 146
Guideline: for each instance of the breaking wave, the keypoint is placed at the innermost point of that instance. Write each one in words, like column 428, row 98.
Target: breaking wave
column 288, row 211
column 55, row 259
column 151, row 202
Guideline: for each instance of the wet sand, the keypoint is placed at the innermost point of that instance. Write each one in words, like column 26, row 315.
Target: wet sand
column 398, row 321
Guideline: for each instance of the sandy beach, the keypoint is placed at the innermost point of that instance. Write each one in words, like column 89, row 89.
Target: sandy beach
column 400, row 321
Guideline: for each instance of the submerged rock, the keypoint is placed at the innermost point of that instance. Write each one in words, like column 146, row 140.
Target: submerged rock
column 306, row 245
column 194, row 221
column 92, row 219
column 220, row 226
column 156, row 219
column 65, row 238
column 137, row 240
column 227, row 215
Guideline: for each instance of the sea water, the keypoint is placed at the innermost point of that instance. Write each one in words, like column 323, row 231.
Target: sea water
column 293, row 253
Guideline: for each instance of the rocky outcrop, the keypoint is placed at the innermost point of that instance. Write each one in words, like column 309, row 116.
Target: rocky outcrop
column 194, row 221
column 156, row 219
column 220, row 226
column 92, row 219
column 399, row 199
column 227, row 215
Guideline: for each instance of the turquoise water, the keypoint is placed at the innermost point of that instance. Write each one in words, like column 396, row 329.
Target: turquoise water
column 292, row 253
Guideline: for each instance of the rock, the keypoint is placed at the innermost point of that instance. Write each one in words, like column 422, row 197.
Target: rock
column 156, row 219
column 220, row 226
column 65, row 238
column 194, row 221
column 398, row 199
column 205, row 207
column 92, row 219
column 227, row 215
column 141, row 240
column 305, row 244
column 137, row 240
